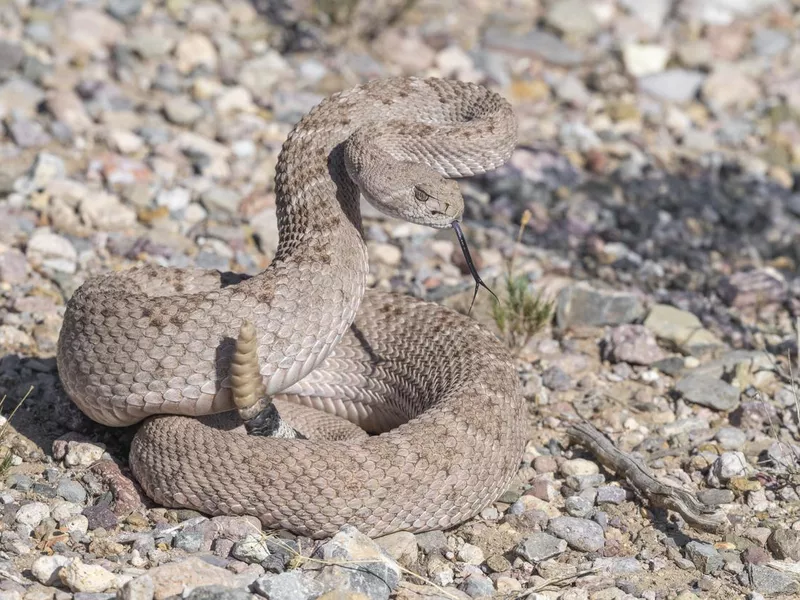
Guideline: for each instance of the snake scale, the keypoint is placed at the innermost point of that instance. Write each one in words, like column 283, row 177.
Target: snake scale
column 437, row 392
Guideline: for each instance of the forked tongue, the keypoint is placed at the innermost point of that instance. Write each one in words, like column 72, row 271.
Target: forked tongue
column 462, row 241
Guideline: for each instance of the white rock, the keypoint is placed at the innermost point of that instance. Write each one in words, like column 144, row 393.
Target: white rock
column 64, row 510
column 81, row 577
column 32, row 514
column 470, row 554
column 579, row 466
column 101, row 210
column 46, row 568
column 126, row 141
column 52, row 250
column 195, row 50
column 78, row 524
column 388, row 254
column 83, row 454
column 726, row 466
column 140, row 588
column 644, row 59
column 175, row 199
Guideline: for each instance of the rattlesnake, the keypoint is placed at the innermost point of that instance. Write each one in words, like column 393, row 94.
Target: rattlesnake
column 437, row 390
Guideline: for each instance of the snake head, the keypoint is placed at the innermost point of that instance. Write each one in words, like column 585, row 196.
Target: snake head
column 439, row 201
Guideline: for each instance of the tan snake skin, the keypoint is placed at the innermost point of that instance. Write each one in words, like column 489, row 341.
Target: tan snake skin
column 441, row 391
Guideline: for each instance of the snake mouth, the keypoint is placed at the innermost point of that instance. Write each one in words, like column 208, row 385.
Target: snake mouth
column 462, row 241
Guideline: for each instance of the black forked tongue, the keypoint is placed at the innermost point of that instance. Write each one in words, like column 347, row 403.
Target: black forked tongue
column 462, row 241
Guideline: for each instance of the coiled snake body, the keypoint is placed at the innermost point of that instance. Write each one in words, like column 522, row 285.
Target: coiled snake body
column 437, row 390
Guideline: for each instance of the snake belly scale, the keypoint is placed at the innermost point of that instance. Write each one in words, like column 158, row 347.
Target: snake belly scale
column 438, row 392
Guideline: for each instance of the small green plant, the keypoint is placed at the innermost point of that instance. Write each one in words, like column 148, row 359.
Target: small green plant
column 6, row 455
column 521, row 313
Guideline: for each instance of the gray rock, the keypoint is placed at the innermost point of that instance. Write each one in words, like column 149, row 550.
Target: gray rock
column 673, row 85
column 540, row 546
column 182, row 111
column 582, row 305
column 611, row 494
column 19, row 96
column 11, row 56
column 705, row 557
column 712, row 497
column 651, row 12
column 27, row 133
column 71, row 491
column 578, row 506
column 13, row 267
column 18, row 481
column 785, row 544
column 138, row 588
column 260, row 75
column 374, row 578
column 726, row 466
column 52, row 251
column 556, row 379
column 401, row 546
column 291, row 585
column 535, row 42
column 477, row 585
column 731, row 438
column 191, row 539
column 580, row 534
column 218, row 592
column 124, row 9
column 432, row 541
column 769, row 42
column 769, row 581
column 252, row 549
column 617, row 565
column 220, row 199
column 708, row 391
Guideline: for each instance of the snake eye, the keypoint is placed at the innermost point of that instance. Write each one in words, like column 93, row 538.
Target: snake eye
column 421, row 195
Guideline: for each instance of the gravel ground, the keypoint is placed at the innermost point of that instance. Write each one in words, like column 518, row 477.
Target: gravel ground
column 659, row 160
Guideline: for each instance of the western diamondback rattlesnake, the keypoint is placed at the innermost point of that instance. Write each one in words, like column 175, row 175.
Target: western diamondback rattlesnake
column 440, row 391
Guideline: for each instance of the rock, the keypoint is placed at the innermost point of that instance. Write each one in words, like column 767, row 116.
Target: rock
column 100, row 515
column 556, row 379
column 81, row 577
column 432, row 541
column 712, row 497
column 534, row 43
column 785, row 544
column 78, row 524
column 191, row 540
column 708, row 391
column 470, row 554
column 705, row 557
column 219, row 199
column 291, row 585
column 72, row 491
column 769, row 42
column 753, row 288
column 45, row 568
column 67, row 108
column 680, row 327
column 651, row 12
column 729, row 87
column 13, row 267
column 32, row 514
column 673, row 85
column 177, row 577
column 439, row 570
column 477, row 585
column 82, row 454
column 579, row 466
column 104, row 211
column 19, row 96
column 175, row 199
column 195, row 50
column 571, row 17
column 138, row 588
column 27, row 133
column 731, row 438
column 580, row 534
column 376, row 574
column 124, row 10
column 582, row 305
column 11, row 57
column 182, row 111
column 769, row 581
column 727, row 466
column 578, row 506
column 633, row 344
column 540, row 546
column 401, row 546
column 611, row 494
column 218, row 592
column 644, row 59
column 91, row 31
column 252, row 549
column 260, row 75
